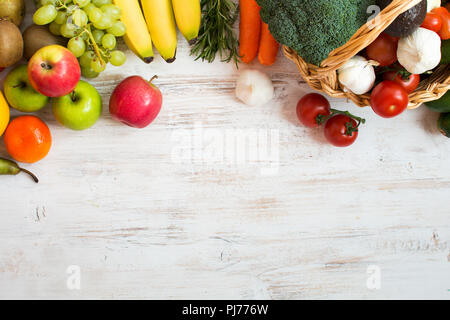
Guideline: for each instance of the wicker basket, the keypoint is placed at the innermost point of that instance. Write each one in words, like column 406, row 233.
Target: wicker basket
column 325, row 79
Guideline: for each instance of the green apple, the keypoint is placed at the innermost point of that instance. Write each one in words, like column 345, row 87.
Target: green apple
column 80, row 109
column 20, row 94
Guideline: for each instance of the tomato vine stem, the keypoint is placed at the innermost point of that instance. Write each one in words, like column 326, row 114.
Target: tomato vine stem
column 350, row 128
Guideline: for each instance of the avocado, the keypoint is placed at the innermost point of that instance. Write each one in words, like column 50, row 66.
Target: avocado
column 440, row 105
column 445, row 52
column 444, row 124
column 408, row 22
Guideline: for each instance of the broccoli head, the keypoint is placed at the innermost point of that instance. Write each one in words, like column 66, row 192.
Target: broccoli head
column 314, row 28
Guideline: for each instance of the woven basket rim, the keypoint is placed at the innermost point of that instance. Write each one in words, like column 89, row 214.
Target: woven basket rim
column 324, row 77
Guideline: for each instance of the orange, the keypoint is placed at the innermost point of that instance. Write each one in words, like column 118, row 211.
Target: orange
column 27, row 139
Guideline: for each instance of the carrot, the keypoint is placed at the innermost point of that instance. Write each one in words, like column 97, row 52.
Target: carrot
column 250, row 30
column 268, row 47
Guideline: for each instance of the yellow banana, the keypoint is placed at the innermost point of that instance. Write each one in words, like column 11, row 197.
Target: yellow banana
column 4, row 114
column 137, row 38
column 188, row 15
column 161, row 24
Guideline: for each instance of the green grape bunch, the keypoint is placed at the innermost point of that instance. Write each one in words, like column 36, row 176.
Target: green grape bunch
column 91, row 26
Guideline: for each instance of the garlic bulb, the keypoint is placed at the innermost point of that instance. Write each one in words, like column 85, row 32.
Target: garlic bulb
column 357, row 75
column 420, row 52
column 254, row 88
column 433, row 4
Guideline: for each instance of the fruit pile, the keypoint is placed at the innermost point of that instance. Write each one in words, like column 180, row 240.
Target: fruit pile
column 90, row 26
column 53, row 74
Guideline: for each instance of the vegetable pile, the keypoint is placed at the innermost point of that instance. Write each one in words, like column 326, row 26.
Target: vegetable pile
column 314, row 28
column 391, row 67
column 411, row 49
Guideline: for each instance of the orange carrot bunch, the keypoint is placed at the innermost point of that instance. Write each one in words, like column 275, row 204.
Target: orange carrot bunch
column 254, row 36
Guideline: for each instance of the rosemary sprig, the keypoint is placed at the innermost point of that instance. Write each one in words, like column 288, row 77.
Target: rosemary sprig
column 217, row 35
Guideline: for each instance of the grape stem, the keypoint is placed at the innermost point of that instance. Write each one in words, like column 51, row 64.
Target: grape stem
column 62, row 5
column 93, row 44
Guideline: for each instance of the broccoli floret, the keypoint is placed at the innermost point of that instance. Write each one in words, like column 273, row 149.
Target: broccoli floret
column 314, row 28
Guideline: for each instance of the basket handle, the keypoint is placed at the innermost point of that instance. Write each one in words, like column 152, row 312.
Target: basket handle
column 363, row 37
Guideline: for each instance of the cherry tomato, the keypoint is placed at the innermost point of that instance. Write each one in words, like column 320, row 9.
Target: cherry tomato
column 336, row 130
column 383, row 50
column 1, row 69
column 410, row 83
column 389, row 99
column 433, row 22
column 444, row 33
column 310, row 106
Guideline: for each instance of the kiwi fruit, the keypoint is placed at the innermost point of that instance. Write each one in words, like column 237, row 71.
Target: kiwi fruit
column 13, row 10
column 11, row 44
column 408, row 22
column 36, row 37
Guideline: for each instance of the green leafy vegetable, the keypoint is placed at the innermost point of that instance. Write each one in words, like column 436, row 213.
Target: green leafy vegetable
column 216, row 34
column 314, row 28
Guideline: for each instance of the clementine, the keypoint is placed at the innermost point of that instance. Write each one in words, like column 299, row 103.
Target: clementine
column 27, row 139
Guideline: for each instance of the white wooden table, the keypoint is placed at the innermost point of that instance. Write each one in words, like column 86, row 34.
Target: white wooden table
column 137, row 216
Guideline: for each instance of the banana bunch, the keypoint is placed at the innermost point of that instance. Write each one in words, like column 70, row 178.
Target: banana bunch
column 154, row 22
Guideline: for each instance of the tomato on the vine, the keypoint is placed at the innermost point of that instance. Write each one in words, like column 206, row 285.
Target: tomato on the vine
column 389, row 99
column 341, row 130
column 311, row 106
column 409, row 82
column 341, row 127
column 433, row 22
column 444, row 32
column 383, row 50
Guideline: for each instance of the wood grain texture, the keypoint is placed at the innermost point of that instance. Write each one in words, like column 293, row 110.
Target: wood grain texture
column 113, row 201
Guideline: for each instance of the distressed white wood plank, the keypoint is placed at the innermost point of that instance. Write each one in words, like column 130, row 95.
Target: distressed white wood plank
column 113, row 201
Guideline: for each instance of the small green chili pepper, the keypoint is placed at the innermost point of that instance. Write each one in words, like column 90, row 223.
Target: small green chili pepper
column 8, row 167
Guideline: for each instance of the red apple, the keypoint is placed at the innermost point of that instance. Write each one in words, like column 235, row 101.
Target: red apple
column 54, row 71
column 135, row 102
